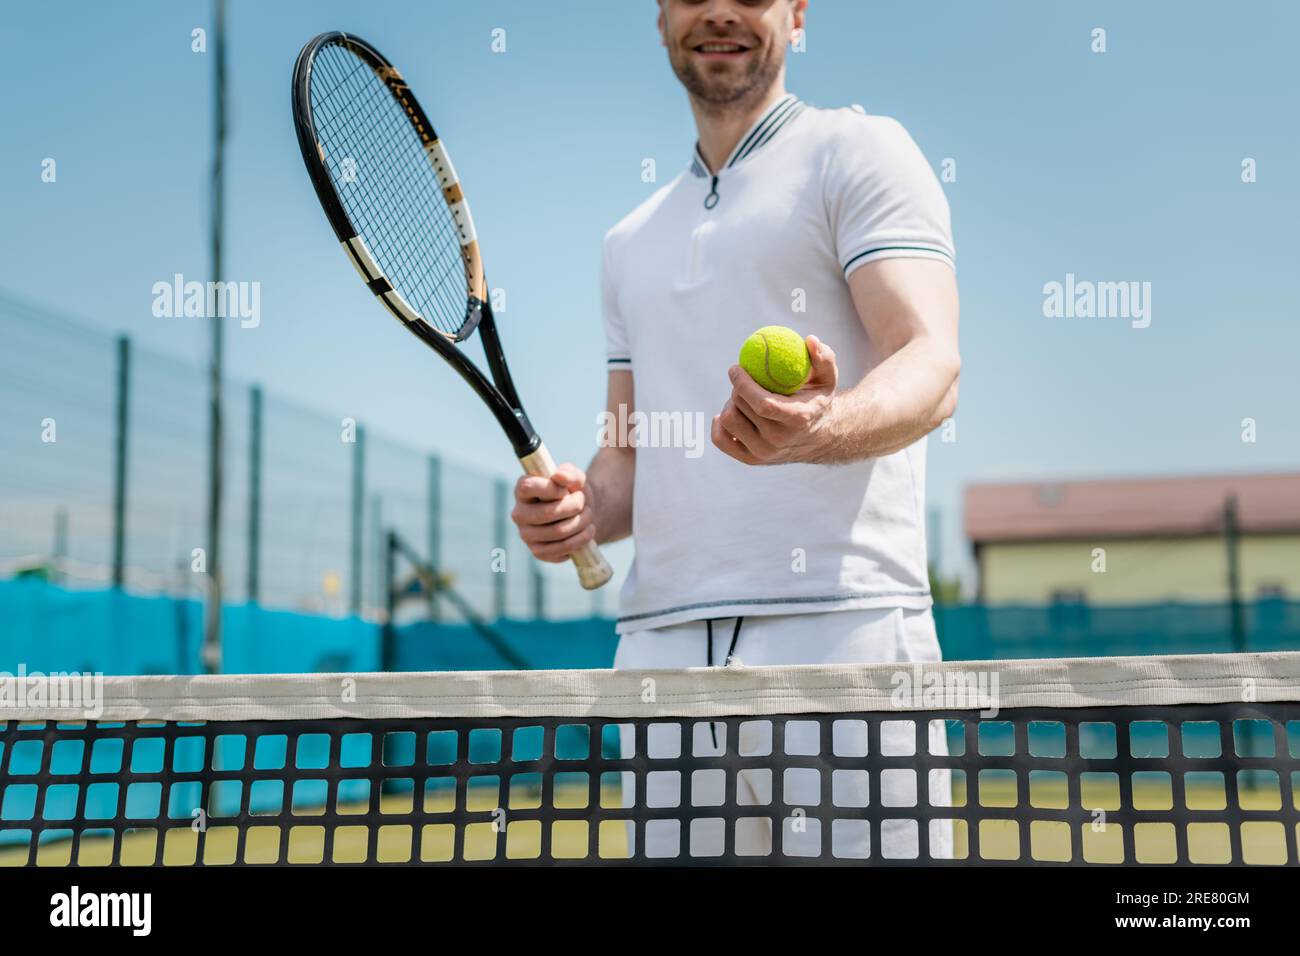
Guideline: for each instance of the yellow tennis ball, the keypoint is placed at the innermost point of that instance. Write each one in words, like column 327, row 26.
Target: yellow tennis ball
column 777, row 359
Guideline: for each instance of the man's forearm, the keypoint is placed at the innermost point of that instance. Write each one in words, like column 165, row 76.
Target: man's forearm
column 610, row 477
column 901, row 401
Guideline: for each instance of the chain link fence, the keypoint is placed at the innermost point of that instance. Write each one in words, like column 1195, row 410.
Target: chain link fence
column 105, row 481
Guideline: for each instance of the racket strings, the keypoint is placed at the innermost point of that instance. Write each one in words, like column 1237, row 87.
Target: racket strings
column 421, row 260
column 389, row 190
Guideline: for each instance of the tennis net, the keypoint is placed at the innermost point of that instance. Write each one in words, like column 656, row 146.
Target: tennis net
column 1147, row 760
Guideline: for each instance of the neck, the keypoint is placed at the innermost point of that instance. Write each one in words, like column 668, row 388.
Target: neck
column 720, row 127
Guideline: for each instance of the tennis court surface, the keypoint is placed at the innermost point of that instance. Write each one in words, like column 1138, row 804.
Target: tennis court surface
column 1143, row 760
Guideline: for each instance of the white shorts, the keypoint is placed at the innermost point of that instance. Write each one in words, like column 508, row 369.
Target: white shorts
column 840, row 637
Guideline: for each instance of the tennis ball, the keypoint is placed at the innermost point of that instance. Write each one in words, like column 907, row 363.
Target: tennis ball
column 777, row 359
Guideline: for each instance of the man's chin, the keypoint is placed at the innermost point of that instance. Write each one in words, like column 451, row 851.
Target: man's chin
column 719, row 89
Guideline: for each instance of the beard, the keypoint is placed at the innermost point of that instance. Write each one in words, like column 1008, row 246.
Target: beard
column 726, row 88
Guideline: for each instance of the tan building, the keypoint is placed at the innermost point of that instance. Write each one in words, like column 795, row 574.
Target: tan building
column 1136, row 541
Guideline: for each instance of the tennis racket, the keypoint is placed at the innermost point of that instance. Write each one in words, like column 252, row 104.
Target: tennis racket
column 392, row 196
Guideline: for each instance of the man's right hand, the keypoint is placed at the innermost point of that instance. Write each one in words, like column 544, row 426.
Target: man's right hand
column 554, row 515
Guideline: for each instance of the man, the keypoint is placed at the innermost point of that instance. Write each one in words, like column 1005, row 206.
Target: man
column 800, row 533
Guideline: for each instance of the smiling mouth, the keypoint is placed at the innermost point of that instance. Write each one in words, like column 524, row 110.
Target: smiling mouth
column 720, row 48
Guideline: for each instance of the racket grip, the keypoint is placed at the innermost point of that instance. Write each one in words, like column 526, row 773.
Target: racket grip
column 593, row 569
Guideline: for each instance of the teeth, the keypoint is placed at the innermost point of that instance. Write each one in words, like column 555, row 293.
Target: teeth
column 719, row 48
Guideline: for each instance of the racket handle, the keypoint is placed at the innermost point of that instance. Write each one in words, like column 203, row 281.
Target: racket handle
column 593, row 569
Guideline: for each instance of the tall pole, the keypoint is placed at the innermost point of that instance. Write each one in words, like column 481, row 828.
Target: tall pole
column 212, row 619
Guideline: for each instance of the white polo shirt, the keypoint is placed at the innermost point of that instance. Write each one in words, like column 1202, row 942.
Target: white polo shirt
column 807, row 196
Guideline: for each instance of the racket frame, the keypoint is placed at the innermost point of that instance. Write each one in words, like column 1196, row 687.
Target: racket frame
column 499, row 393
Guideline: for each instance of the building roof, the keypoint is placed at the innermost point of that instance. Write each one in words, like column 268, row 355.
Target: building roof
column 1135, row 507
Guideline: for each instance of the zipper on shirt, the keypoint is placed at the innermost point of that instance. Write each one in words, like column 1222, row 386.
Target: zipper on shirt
column 711, row 199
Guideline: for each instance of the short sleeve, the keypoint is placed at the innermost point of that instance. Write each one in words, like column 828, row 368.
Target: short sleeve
column 882, row 197
column 618, row 354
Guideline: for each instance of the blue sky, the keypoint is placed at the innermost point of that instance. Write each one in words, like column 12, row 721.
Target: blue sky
column 1122, row 166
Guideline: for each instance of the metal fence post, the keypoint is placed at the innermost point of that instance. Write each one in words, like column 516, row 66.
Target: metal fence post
column 1232, row 543
column 59, row 575
column 123, row 424
column 358, row 518
column 499, row 528
column 377, row 539
column 539, row 590
column 434, row 545
column 254, row 494
column 388, row 630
